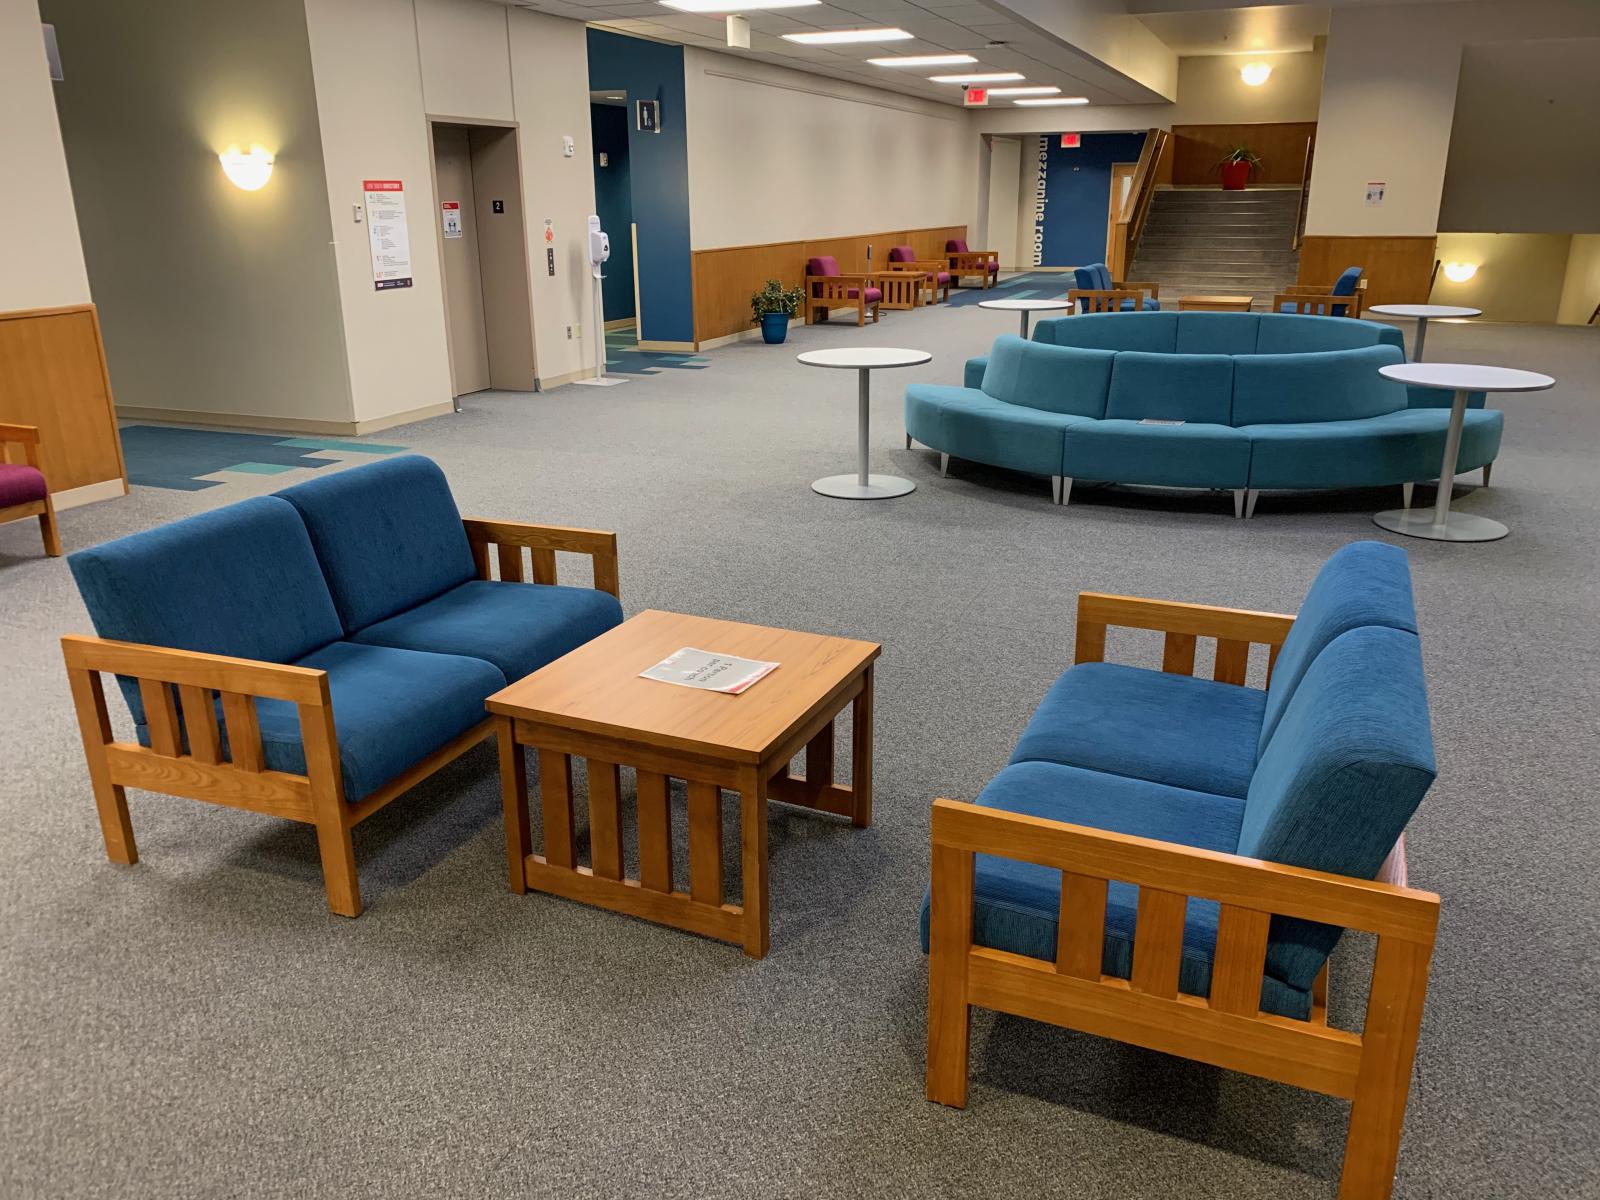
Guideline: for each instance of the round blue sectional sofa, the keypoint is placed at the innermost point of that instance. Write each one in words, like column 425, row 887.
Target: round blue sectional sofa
column 1236, row 401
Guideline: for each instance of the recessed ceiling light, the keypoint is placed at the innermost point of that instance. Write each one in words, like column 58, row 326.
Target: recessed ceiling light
column 1024, row 91
column 990, row 77
column 727, row 6
column 1053, row 100
column 839, row 37
column 924, row 60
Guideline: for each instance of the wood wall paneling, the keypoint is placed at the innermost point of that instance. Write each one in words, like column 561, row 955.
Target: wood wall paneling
column 1282, row 146
column 53, row 376
column 725, row 278
column 1397, row 269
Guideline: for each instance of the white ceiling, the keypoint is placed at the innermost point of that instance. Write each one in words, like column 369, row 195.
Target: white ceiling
column 1266, row 28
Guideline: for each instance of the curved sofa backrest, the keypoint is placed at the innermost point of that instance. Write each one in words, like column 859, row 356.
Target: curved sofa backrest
column 1156, row 332
column 1057, row 379
column 1286, row 333
column 1334, row 385
column 1214, row 333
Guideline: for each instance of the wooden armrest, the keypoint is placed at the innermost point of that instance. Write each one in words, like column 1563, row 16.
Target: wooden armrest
column 1129, row 285
column 1306, row 289
column 25, row 434
column 1229, row 879
column 1174, row 616
column 190, row 668
column 543, row 540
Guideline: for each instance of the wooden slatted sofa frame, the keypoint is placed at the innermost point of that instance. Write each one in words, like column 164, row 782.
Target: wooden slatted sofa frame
column 1372, row 1068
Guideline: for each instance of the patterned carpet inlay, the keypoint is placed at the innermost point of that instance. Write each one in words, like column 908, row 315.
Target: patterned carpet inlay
column 184, row 459
column 623, row 356
column 1034, row 285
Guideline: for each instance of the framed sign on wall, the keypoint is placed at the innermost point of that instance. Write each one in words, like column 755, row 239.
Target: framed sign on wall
column 649, row 113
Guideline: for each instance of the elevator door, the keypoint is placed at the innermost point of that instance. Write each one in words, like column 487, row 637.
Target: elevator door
column 463, row 277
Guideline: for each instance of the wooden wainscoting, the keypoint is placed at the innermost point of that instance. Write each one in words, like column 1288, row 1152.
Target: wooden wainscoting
column 725, row 278
column 53, row 376
column 1281, row 144
column 1397, row 269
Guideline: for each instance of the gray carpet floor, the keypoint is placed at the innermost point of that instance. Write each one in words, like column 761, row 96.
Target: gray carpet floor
column 199, row 1026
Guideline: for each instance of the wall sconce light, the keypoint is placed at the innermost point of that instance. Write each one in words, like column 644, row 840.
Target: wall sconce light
column 1255, row 74
column 1460, row 272
column 248, row 170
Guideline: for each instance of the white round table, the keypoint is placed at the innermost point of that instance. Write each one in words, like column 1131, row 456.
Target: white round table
column 1422, row 312
column 1025, row 307
column 1441, row 525
column 864, row 360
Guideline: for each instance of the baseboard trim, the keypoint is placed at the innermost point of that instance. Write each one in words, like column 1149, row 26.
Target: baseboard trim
column 446, row 408
column 89, row 493
column 621, row 323
column 248, row 423
column 555, row 381
column 744, row 335
column 668, row 347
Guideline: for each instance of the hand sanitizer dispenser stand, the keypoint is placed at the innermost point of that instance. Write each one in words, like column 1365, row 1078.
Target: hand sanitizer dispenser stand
column 599, row 252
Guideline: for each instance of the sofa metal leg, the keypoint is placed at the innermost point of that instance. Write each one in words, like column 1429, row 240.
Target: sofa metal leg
column 1488, row 468
column 949, row 940
column 1238, row 504
column 1405, row 494
column 1061, row 488
column 908, row 441
column 944, row 463
column 1250, row 502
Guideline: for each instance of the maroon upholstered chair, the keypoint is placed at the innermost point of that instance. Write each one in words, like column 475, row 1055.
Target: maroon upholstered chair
column 935, row 274
column 827, row 288
column 983, row 263
column 23, row 490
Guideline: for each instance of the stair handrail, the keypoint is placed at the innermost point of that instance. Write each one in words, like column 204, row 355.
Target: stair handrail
column 1136, row 206
column 1300, row 205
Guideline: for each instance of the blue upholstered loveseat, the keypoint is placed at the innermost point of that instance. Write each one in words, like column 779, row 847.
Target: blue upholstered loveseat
column 1235, row 401
column 1170, row 860
column 337, row 641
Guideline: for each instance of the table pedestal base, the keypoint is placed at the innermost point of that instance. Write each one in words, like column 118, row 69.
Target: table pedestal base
column 1457, row 526
column 850, row 487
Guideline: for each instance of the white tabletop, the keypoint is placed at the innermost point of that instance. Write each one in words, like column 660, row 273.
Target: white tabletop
column 1467, row 377
column 857, row 357
column 1026, row 305
column 1423, row 310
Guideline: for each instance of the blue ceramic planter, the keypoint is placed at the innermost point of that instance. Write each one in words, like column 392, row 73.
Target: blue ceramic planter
column 774, row 327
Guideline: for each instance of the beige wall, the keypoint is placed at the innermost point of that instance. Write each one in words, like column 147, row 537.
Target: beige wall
column 212, row 299
column 1580, row 292
column 1005, row 173
column 43, row 257
column 1519, row 274
column 848, row 159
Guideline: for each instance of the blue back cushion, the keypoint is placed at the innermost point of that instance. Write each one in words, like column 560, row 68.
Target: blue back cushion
column 1084, row 278
column 1102, row 275
column 1345, row 285
column 1057, row 379
column 1217, row 333
column 1197, row 388
column 1351, row 760
column 1155, row 332
column 1364, row 583
column 240, row 580
column 1336, row 385
column 388, row 536
column 1282, row 333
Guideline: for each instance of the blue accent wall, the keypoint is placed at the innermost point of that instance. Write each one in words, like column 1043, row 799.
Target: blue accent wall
column 613, row 202
column 658, row 170
column 1078, row 196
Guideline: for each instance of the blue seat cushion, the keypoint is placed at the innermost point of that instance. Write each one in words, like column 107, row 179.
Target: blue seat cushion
column 1333, row 385
column 519, row 627
column 388, row 536
column 1112, row 331
column 1397, row 447
column 1345, row 769
column 1058, row 379
column 1182, row 387
column 975, row 426
column 241, row 580
column 1161, row 455
column 1016, row 905
column 1145, row 304
column 1172, row 729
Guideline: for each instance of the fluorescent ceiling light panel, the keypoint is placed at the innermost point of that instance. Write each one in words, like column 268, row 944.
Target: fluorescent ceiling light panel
column 839, row 37
column 990, row 77
column 727, row 6
column 924, row 60
column 1053, row 101
column 1024, row 91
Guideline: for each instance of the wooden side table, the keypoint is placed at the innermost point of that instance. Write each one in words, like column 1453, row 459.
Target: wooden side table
column 592, row 703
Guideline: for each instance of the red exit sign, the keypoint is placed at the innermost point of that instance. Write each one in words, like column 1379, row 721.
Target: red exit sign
column 977, row 97
column 1071, row 141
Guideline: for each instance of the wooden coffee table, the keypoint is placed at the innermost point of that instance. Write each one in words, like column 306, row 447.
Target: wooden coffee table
column 592, row 703
column 1215, row 303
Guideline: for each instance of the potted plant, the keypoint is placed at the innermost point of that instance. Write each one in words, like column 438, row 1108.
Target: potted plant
column 773, row 305
column 1237, row 167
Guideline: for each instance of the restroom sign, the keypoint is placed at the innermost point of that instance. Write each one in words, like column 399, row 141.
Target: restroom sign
column 451, row 212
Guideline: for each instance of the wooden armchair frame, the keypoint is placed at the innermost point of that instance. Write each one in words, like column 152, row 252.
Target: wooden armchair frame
column 1110, row 300
column 180, row 691
column 27, row 437
column 1317, row 301
column 931, row 270
column 1227, row 1028
column 833, row 291
column 973, row 262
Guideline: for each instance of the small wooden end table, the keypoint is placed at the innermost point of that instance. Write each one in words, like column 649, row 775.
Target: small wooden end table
column 593, row 703
column 1215, row 303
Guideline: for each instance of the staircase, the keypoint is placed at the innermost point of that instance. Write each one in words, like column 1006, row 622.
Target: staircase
column 1205, row 241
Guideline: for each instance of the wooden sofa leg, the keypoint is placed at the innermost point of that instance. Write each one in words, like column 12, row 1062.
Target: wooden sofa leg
column 110, row 800
column 339, row 866
column 949, row 939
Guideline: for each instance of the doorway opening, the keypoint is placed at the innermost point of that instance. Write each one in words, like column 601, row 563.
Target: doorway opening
column 613, row 203
column 477, row 179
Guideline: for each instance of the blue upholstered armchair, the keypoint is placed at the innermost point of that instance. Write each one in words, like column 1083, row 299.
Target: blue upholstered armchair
column 1097, row 292
column 1321, row 301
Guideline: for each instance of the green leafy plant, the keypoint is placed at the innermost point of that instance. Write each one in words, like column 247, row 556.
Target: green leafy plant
column 1241, row 154
column 775, row 298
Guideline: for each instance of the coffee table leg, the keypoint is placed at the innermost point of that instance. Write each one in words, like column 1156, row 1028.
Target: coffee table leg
column 753, row 852
column 514, row 797
column 861, row 753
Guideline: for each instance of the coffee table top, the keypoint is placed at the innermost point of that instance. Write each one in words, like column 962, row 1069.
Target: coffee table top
column 864, row 356
column 1025, row 305
column 1211, row 298
column 1424, row 310
column 1467, row 377
column 596, row 688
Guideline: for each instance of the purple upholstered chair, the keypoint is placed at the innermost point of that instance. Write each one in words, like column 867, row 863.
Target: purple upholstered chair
column 983, row 263
column 827, row 288
column 23, row 490
column 935, row 274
